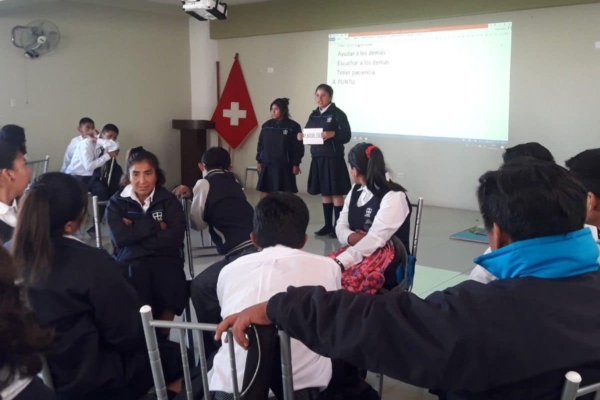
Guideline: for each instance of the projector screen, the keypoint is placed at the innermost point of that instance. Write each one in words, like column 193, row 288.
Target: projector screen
column 448, row 83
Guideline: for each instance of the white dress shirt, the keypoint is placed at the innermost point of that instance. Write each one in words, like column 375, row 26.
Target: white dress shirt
column 108, row 145
column 128, row 192
column 392, row 213
column 255, row 278
column 484, row 276
column 8, row 214
column 322, row 110
column 86, row 158
column 16, row 385
column 69, row 153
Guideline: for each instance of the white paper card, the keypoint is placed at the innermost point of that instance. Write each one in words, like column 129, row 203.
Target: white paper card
column 313, row 136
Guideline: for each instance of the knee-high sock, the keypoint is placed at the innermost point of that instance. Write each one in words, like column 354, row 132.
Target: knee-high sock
column 327, row 213
column 337, row 210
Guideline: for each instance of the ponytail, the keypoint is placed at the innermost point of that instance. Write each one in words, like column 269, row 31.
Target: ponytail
column 53, row 200
column 32, row 247
column 368, row 160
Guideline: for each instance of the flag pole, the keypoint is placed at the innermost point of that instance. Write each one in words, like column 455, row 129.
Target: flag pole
column 229, row 147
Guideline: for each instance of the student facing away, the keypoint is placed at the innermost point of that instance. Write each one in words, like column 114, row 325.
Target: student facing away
column 513, row 338
column 220, row 204
column 14, row 178
column 99, row 352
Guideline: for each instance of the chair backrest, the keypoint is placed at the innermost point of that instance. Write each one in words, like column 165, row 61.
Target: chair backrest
column 188, row 237
column 572, row 391
column 107, row 171
column 98, row 220
column 157, row 372
column 417, row 230
column 38, row 167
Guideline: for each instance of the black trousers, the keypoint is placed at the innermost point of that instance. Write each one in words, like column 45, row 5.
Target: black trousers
column 203, row 291
column 94, row 186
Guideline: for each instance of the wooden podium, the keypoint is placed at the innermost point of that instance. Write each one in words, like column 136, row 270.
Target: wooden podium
column 194, row 142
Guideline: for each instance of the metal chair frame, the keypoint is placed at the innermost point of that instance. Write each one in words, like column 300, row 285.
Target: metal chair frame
column 572, row 391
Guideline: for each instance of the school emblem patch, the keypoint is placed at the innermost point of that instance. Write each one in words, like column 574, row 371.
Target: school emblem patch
column 368, row 213
column 157, row 215
column 285, row 131
column 329, row 120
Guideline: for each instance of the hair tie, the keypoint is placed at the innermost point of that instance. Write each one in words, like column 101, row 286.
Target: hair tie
column 369, row 150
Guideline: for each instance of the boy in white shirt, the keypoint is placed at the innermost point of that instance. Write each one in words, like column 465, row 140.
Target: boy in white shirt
column 89, row 156
column 280, row 223
column 108, row 141
column 85, row 129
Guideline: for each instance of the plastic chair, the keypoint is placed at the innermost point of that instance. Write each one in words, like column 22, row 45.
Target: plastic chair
column 249, row 391
column 38, row 167
column 248, row 169
column 571, row 389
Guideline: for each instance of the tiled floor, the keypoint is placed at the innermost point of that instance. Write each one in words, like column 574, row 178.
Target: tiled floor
column 441, row 262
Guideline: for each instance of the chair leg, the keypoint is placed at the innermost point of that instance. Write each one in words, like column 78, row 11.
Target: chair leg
column 245, row 178
column 380, row 386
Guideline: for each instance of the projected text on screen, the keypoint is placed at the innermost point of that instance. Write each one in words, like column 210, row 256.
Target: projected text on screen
column 449, row 83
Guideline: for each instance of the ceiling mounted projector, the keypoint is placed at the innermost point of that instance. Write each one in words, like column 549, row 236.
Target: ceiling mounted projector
column 204, row 10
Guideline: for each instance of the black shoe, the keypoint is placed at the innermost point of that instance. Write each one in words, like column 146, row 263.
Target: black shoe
column 325, row 231
column 332, row 235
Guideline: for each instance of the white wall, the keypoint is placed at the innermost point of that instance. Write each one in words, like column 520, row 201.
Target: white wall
column 113, row 65
column 203, row 58
column 555, row 99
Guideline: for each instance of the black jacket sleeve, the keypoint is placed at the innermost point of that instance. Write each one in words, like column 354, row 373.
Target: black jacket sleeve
column 116, row 307
column 296, row 146
column 259, row 147
column 343, row 133
column 428, row 343
column 174, row 235
column 122, row 234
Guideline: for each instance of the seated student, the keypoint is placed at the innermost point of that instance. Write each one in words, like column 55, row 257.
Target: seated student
column 585, row 167
column 14, row 178
column 22, row 340
column 219, row 203
column 14, row 135
column 86, row 128
column 533, row 150
column 375, row 210
column 108, row 141
column 147, row 228
column 280, row 226
column 87, row 157
column 514, row 338
column 99, row 351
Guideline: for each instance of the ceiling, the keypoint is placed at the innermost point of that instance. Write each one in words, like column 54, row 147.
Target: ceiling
column 155, row 6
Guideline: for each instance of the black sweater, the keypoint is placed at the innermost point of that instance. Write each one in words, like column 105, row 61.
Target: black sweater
column 333, row 119
column 144, row 237
column 510, row 339
column 278, row 143
column 95, row 312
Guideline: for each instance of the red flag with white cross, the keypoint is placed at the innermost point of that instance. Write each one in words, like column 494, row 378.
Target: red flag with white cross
column 234, row 117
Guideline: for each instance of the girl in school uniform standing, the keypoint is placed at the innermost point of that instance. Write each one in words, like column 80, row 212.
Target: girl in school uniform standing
column 375, row 210
column 279, row 154
column 328, row 172
column 147, row 228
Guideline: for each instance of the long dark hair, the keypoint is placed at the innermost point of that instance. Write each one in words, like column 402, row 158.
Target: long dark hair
column 22, row 339
column 283, row 105
column 137, row 155
column 368, row 161
column 52, row 200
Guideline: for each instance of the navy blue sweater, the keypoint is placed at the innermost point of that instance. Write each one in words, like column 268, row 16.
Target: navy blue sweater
column 144, row 237
column 333, row 119
column 278, row 143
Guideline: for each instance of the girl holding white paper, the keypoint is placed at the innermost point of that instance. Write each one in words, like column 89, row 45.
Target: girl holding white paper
column 279, row 154
column 328, row 172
